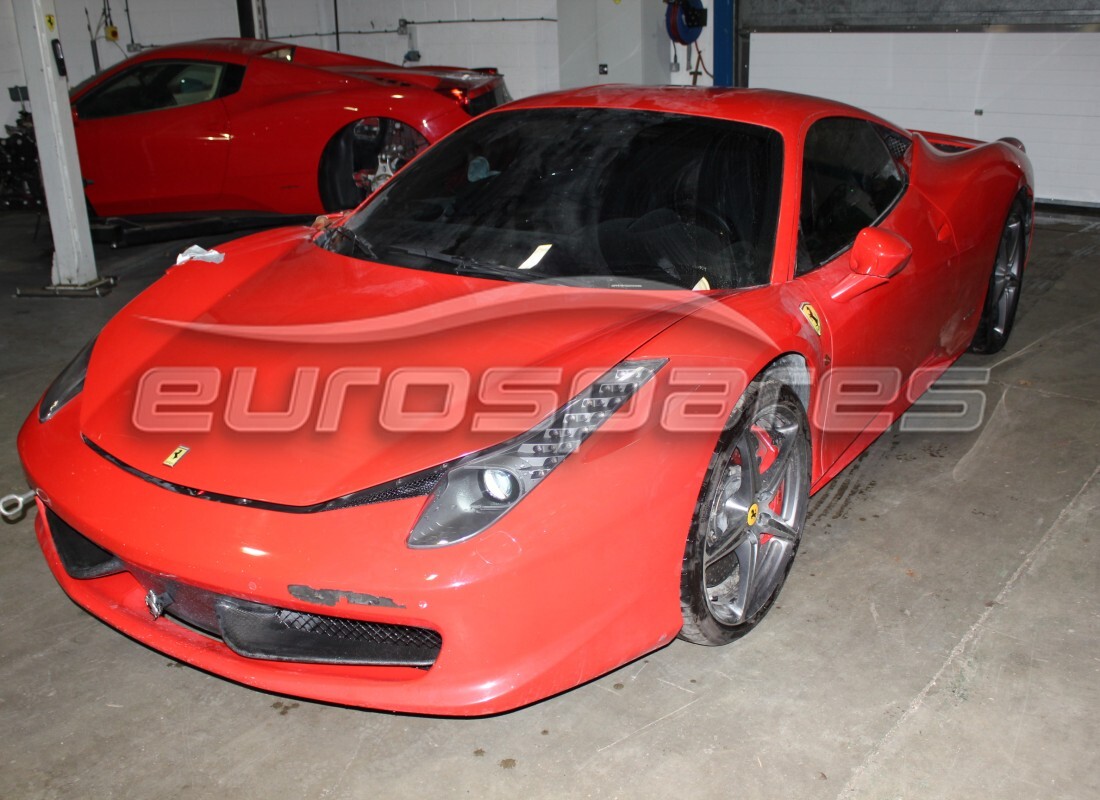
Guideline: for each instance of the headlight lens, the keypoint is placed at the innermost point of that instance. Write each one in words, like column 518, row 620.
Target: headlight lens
column 484, row 486
column 499, row 484
column 67, row 385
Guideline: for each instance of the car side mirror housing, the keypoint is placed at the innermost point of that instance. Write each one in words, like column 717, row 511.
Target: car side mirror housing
column 876, row 256
column 879, row 253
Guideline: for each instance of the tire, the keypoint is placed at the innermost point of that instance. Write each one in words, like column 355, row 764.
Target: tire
column 334, row 175
column 749, row 517
column 1005, row 282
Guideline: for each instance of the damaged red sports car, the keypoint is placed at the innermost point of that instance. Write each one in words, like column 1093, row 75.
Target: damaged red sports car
column 255, row 125
column 556, row 395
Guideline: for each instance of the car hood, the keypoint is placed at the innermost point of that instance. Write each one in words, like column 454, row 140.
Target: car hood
column 341, row 355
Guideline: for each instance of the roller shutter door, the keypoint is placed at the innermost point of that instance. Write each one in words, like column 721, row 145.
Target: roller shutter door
column 1043, row 88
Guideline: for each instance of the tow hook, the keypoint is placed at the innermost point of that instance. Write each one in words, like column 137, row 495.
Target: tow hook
column 12, row 506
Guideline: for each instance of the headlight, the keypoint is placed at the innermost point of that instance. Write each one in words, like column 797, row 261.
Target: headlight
column 67, row 385
column 484, row 486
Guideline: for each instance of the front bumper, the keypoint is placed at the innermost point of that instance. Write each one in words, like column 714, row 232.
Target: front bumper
column 581, row 577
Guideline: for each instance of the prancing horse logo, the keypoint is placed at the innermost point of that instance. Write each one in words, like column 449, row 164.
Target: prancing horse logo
column 810, row 313
column 176, row 455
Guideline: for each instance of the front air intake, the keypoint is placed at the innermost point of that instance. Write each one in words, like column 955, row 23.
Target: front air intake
column 260, row 631
column 80, row 556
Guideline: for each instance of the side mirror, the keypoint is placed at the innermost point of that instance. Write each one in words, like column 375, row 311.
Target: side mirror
column 879, row 253
column 876, row 256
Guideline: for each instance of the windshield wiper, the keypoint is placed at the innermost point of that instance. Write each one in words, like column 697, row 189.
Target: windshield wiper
column 357, row 241
column 466, row 266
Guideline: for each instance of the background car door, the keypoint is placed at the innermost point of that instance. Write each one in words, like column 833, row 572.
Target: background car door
column 155, row 138
column 877, row 339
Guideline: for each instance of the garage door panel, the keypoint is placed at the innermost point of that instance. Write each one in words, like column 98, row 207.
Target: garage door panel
column 1043, row 88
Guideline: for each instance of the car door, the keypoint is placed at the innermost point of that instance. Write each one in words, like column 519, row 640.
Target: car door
column 155, row 137
column 876, row 332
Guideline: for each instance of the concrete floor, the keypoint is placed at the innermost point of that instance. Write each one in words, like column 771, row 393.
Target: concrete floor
column 939, row 636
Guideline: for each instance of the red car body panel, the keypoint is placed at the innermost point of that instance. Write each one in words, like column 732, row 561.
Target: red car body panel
column 267, row 298
column 581, row 576
column 259, row 148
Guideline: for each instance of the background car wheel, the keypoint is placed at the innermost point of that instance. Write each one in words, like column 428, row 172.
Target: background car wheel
column 1005, row 282
column 361, row 157
column 749, row 517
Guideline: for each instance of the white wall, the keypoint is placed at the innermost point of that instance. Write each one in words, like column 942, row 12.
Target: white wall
column 154, row 22
column 11, row 64
column 526, row 52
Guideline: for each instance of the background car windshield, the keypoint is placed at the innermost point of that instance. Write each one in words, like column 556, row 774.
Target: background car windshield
column 609, row 197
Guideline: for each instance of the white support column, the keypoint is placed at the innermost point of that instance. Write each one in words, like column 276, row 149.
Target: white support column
column 73, row 260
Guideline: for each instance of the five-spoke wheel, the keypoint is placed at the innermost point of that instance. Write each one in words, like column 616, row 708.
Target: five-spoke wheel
column 749, row 517
column 1003, row 295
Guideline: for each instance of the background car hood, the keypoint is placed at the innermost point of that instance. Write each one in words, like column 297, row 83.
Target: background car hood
column 280, row 309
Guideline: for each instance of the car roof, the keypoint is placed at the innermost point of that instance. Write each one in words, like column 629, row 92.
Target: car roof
column 243, row 49
column 786, row 112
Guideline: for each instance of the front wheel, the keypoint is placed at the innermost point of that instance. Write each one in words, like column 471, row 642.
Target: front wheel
column 749, row 517
column 1003, row 295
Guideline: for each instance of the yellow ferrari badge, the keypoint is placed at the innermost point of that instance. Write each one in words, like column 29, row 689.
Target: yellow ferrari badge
column 810, row 313
column 753, row 515
column 175, row 456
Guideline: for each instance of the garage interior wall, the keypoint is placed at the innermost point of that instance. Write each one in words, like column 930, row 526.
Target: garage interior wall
column 526, row 52
column 11, row 64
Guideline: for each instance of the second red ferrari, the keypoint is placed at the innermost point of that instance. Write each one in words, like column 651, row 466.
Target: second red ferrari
column 253, row 125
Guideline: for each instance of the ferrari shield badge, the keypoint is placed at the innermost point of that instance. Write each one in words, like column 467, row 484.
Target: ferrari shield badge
column 175, row 456
column 810, row 313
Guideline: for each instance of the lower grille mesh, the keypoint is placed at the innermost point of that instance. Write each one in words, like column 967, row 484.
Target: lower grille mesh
column 260, row 631
column 359, row 631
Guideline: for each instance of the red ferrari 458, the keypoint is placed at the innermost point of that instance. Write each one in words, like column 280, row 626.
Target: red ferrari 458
column 253, row 125
column 555, row 395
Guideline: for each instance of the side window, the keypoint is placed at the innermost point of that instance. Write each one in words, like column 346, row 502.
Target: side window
column 153, row 86
column 849, row 181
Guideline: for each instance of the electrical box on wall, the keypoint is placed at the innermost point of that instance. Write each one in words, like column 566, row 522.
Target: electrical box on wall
column 612, row 41
column 631, row 42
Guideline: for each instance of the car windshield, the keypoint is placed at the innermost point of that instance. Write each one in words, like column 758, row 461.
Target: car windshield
column 601, row 197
